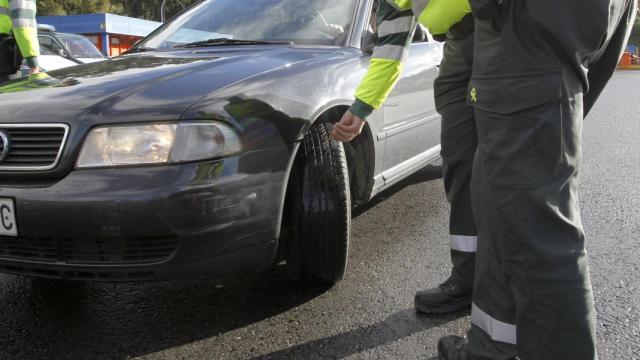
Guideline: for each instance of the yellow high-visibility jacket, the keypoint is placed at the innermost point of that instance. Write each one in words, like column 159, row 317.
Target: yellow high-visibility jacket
column 18, row 17
column 397, row 20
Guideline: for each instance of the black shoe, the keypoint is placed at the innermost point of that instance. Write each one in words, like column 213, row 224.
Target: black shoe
column 443, row 299
column 452, row 348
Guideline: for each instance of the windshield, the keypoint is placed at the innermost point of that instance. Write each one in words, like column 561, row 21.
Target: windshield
column 81, row 47
column 317, row 22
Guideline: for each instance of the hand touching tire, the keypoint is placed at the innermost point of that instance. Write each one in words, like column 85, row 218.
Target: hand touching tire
column 348, row 128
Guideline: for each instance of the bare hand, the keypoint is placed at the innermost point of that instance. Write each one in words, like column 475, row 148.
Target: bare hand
column 348, row 128
column 34, row 70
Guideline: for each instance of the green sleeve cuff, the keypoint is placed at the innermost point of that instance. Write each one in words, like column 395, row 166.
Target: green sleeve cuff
column 32, row 62
column 361, row 109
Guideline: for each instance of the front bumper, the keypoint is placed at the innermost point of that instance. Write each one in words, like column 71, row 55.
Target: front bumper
column 150, row 223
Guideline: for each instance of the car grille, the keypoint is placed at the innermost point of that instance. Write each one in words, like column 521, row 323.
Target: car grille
column 42, row 249
column 32, row 147
column 47, row 272
column 114, row 251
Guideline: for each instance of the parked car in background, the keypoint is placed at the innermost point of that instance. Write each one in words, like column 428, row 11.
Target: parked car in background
column 48, row 62
column 71, row 46
column 205, row 150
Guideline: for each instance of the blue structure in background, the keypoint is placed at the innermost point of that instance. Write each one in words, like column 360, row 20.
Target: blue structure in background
column 113, row 34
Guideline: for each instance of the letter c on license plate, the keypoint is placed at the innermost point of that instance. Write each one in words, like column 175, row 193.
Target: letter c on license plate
column 8, row 224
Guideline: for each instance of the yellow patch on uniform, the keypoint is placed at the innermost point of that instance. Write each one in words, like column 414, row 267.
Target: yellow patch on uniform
column 474, row 95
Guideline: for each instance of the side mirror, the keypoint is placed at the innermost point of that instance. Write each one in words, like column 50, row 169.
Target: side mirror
column 369, row 39
column 62, row 53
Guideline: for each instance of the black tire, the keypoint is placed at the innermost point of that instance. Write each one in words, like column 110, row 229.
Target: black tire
column 320, row 210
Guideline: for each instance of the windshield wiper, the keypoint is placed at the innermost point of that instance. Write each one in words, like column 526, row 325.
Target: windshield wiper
column 227, row 41
column 138, row 49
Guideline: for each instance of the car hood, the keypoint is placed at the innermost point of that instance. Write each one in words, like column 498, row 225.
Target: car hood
column 89, row 60
column 54, row 62
column 154, row 86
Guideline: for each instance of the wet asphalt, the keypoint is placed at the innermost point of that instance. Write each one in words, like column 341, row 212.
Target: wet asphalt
column 399, row 245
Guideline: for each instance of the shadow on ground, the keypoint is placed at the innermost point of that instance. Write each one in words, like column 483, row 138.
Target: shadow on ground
column 397, row 326
column 60, row 320
column 44, row 319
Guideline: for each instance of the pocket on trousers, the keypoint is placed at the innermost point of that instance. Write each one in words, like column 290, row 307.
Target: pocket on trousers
column 519, row 122
column 491, row 11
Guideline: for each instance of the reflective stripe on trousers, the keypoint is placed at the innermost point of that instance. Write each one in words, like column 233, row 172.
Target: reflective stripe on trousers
column 496, row 329
column 464, row 243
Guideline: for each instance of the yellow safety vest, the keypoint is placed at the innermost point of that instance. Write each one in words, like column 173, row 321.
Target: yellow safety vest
column 18, row 17
column 397, row 20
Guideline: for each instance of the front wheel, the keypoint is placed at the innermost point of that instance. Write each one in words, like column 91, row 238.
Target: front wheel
column 320, row 210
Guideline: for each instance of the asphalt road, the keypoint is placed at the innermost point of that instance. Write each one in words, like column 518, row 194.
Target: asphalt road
column 399, row 245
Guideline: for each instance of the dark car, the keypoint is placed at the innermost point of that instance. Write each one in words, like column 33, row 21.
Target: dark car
column 205, row 150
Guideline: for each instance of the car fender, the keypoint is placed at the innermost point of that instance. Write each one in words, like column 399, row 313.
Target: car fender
column 278, row 107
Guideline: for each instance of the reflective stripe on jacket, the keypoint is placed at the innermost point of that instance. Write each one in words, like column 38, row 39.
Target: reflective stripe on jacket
column 19, row 17
column 396, row 21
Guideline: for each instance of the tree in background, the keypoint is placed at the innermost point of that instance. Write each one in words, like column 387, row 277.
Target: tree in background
column 142, row 9
column 150, row 9
column 635, row 33
column 71, row 7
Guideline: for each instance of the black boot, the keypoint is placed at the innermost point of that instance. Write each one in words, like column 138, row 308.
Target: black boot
column 446, row 298
column 452, row 348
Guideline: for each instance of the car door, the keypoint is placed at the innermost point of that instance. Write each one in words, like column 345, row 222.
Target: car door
column 411, row 123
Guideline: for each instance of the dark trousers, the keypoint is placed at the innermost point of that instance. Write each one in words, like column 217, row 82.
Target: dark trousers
column 532, row 293
column 459, row 141
column 7, row 58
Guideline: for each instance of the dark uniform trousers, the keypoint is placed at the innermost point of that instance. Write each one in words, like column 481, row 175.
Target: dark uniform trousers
column 6, row 60
column 459, row 142
column 532, row 294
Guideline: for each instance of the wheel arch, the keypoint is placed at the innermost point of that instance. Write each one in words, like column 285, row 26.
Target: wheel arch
column 361, row 157
column 360, row 160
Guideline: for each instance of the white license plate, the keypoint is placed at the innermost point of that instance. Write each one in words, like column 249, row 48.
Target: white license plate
column 8, row 224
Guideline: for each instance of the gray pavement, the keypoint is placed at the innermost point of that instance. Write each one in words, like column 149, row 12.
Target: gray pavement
column 399, row 245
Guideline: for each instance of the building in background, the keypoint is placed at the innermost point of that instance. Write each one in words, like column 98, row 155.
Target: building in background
column 630, row 59
column 113, row 34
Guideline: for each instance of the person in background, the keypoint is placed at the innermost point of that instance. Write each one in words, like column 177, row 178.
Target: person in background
column 18, row 37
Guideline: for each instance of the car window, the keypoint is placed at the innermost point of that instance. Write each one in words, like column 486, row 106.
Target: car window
column 49, row 43
column 318, row 22
column 373, row 23
column 45, row 51
column 421, row 34
column 81, row 47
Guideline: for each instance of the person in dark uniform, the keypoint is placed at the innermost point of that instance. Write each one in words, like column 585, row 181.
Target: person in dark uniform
column 459, row 142
column 539, row 67
column 396, row 21
column 18, row 37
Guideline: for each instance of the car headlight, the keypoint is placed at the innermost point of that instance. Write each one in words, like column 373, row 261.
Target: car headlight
column 157, row 144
